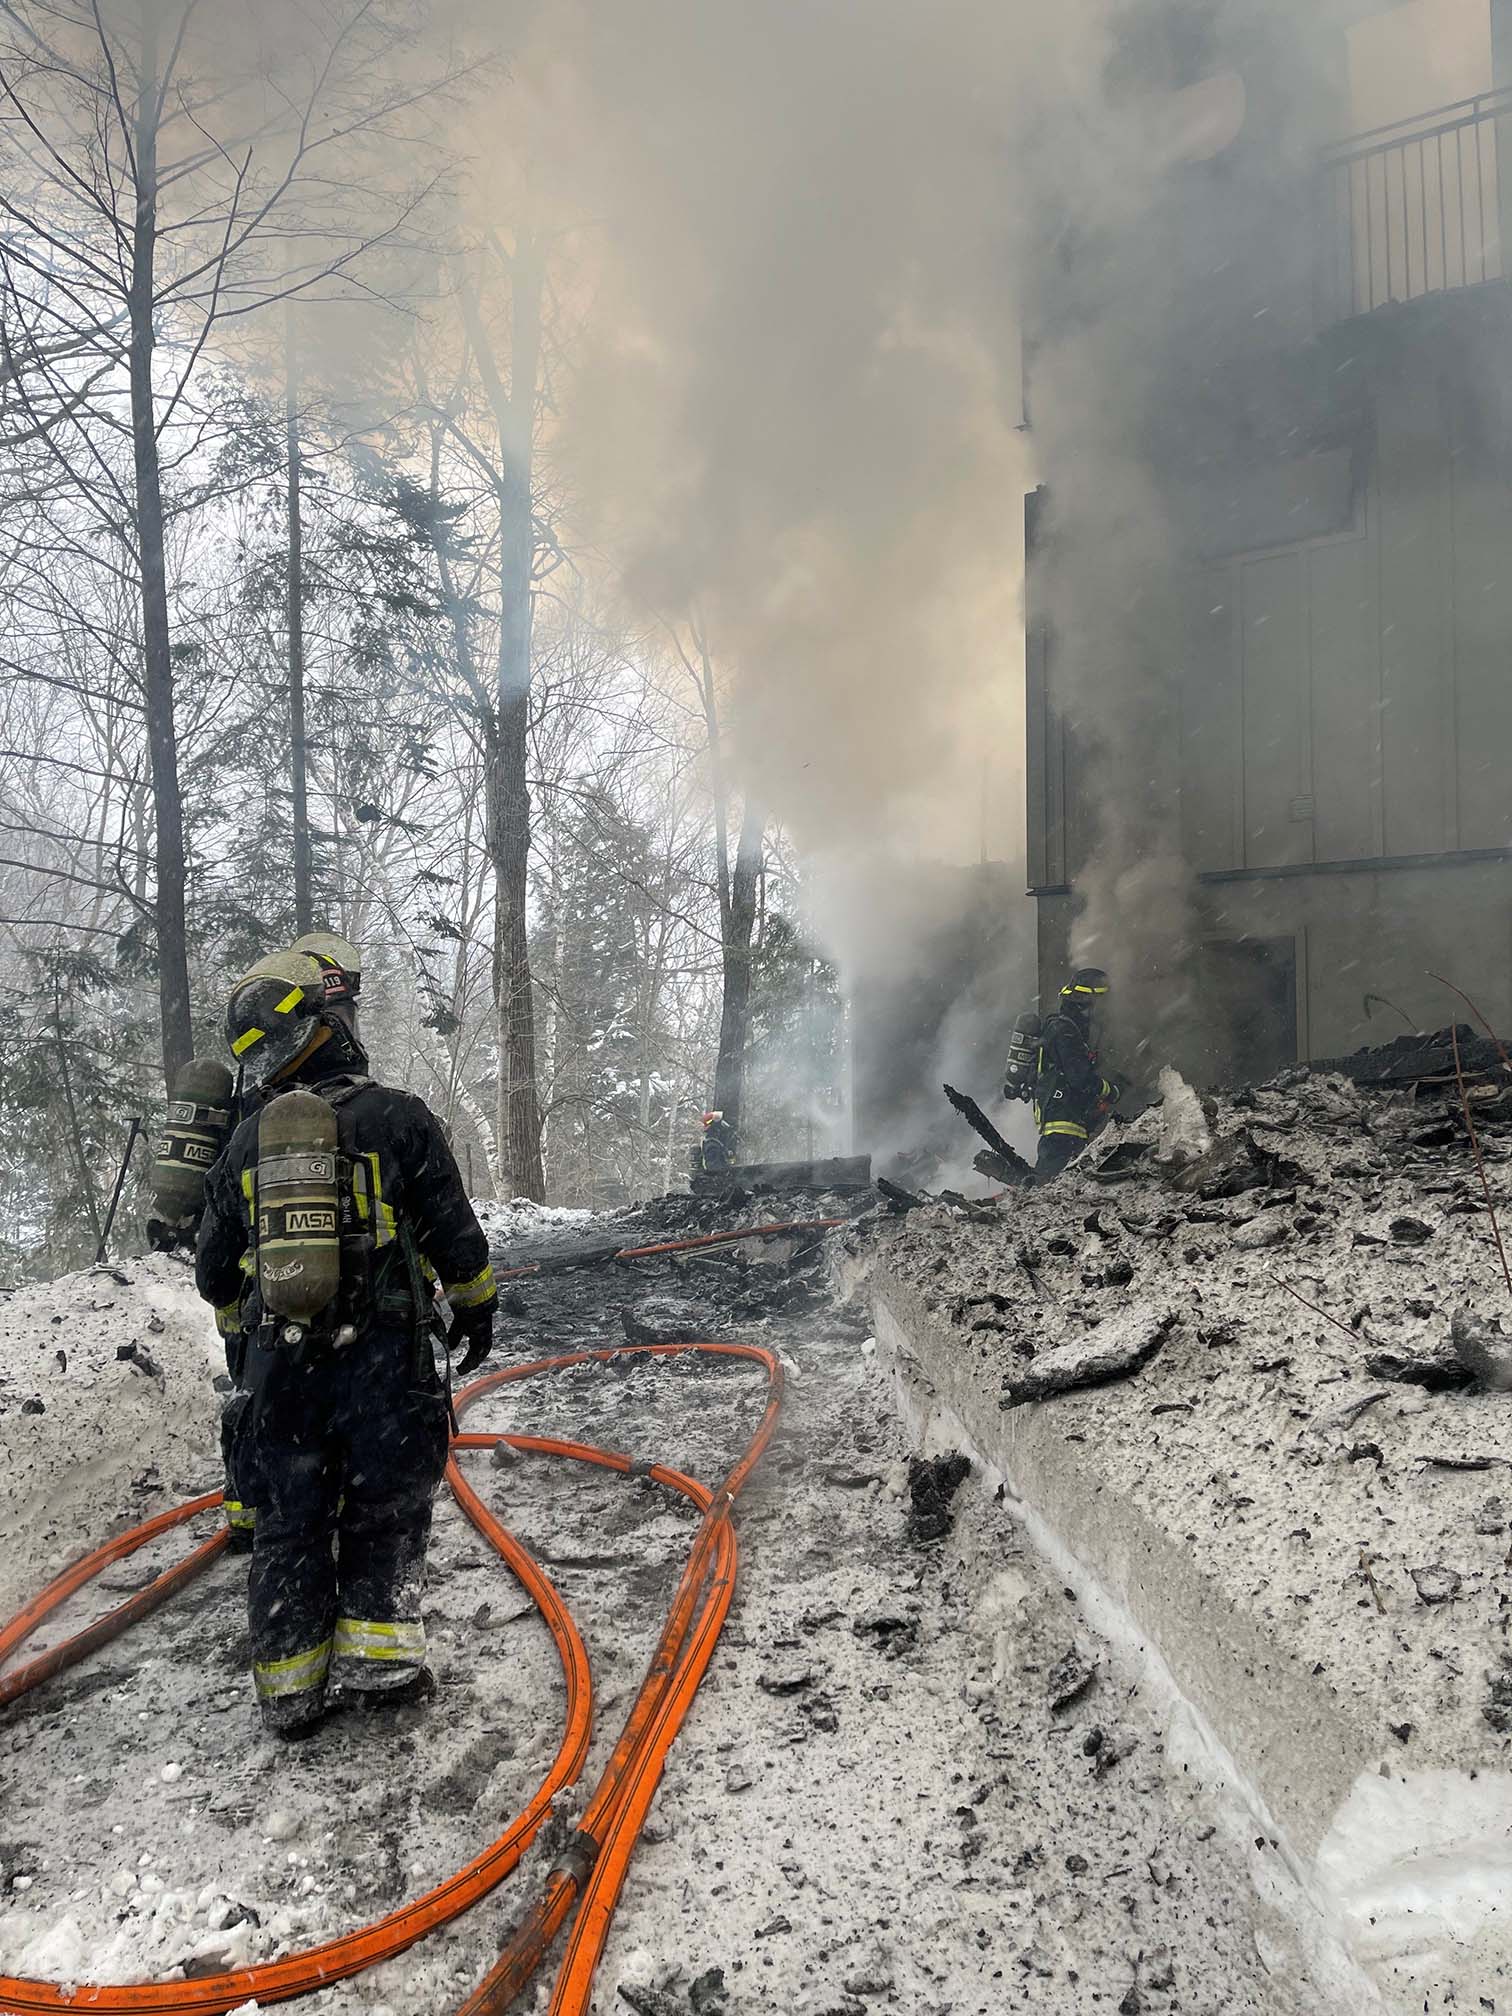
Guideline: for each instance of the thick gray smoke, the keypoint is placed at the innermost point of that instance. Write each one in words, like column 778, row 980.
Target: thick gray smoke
column 816, row 236
column 800, row 416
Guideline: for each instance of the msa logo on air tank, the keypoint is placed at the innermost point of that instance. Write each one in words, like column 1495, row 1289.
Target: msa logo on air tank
column 321, row 1222
column 200, row 1151
column 299, row 1229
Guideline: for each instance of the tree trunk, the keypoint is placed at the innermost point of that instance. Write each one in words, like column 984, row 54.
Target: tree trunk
column 162, row 741
column 509, row 791
column 513, row 997
column 81, row 1159
column 304, row 915
column 717, row 790
column 550, row 1048
column 735, row 1013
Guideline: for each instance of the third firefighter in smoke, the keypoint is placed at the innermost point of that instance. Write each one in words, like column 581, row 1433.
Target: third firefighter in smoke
column 715, row 1147
column 1071, row 1097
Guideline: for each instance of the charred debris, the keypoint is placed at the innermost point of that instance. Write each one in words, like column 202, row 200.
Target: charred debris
column 573, row 1278
column 1357, row 1197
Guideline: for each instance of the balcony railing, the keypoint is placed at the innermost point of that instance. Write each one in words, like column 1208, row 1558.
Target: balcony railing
column 1416, row 209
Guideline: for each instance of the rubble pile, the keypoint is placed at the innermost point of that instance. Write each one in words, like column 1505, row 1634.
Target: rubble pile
column 1277, row 1348
column 1317, row 1307
column 712, row 1292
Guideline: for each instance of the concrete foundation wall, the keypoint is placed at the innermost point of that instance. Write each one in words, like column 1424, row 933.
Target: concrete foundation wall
column 1392, row 1863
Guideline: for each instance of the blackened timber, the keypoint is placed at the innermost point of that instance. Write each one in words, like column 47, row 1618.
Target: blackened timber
column 975, row 1118
column 838, row 1172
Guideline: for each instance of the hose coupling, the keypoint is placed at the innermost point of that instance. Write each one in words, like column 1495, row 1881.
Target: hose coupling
column 577, row 1858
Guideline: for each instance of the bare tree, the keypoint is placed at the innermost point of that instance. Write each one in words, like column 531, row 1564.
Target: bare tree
column 513, row 410
column 151, row 199
column 736, row 881
column 492, row 550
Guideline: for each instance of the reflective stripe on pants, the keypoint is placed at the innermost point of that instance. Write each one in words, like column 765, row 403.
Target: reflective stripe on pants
column 300, row 1673
column 371, row 1656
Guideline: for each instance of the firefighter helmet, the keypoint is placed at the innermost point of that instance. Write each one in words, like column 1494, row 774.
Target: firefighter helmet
column 1082, row 998
column 339, row 961
column 273, row 1016
column 1088, row 980
column 710, row 1118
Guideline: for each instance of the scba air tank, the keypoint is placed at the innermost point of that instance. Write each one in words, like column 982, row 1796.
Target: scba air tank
column 1023, row 1051
column 298, row 1208
column 199, row 1119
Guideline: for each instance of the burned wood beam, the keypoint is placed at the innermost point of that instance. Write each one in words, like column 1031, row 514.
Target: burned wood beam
column 976, row 1119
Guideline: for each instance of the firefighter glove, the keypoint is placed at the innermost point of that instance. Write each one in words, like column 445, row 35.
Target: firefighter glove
column 472, row 1335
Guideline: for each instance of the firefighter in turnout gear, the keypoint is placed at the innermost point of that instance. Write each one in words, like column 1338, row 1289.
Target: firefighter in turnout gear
column 334, row 1212
column 340, row 966
column 715, row 1148
column 1072, row 1098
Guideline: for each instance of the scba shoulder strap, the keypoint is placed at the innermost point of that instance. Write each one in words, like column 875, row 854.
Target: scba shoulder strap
column 340, row 1092
column 383, row 1250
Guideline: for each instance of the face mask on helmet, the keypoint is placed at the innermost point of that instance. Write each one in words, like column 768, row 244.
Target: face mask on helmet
column 272, row 1018
column 339, row 961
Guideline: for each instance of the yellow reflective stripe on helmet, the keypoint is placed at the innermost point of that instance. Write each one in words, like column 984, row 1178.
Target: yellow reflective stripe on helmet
column 291, row 1000
column 246, row 1040
column 1066, row 1127
column 364, row 1638
column 469, row 1294
column 298, row 1674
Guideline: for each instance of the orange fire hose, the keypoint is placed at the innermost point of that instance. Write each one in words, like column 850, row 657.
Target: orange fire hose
column 600, row 1852
column 612, row 1820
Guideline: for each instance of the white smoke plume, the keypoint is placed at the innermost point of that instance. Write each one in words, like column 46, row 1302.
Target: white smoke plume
column 811, row 238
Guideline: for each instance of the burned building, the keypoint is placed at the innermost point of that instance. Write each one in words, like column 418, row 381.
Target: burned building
column 1269, row 682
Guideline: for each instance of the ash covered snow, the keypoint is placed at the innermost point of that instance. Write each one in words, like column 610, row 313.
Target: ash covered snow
column 1306, row 1454
column 886, row 1795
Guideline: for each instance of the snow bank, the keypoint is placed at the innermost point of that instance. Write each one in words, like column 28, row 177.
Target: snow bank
column 107, row 1411
column 519, row 1222
column 1418, row 1866
column 1184, row 1132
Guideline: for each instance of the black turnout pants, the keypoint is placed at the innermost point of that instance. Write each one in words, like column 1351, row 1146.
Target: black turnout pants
column 1056, row 1153
column 347, row 1448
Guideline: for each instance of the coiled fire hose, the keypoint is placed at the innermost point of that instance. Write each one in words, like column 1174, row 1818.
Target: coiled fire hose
column 591, row 1873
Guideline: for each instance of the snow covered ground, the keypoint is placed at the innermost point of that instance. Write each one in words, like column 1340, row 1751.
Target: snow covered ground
column 876, row 1802
column 107, row 1411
